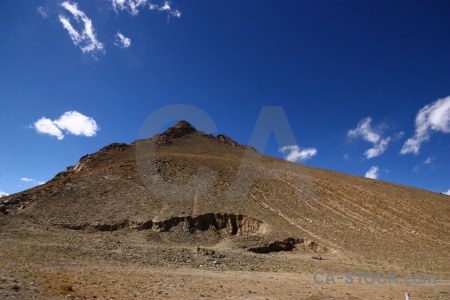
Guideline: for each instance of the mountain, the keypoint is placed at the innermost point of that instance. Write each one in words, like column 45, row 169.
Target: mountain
column 187, row 200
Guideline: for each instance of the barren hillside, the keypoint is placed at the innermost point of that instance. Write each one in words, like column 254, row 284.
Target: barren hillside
column 188, row 207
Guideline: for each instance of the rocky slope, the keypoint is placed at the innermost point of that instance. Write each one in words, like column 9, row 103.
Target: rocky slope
column 188, row 194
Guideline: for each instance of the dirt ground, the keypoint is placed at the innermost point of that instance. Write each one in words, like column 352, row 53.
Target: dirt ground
column 39, row 262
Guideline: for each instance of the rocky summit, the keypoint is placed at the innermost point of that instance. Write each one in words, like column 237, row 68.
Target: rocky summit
column 186, row 214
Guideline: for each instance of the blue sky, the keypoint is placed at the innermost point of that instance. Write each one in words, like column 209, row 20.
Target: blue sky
column 365, row 85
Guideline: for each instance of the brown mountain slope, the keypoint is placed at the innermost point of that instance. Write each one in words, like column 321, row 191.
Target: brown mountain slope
column 184, row 190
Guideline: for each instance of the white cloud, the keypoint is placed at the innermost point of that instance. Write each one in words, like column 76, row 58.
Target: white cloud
column 432, row 117
column 378, row 149
column 77, row 124
column 82, row 32
column 85, row 36
column 42, row 12
column 295, row 154
column 32, row 181
column 3, row 194
column 74, row 35
column 134, row 6
column 372, row 173
column 167, row 7
column 27, row 179
column 71, row 122
column 369, row 134
column 427, row 161
column 122, row 41
column 46, row 126
column 447, row 192
column 365, row 131
column 399, row 136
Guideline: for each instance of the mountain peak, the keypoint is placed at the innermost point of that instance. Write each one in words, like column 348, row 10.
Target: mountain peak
column 180, row 129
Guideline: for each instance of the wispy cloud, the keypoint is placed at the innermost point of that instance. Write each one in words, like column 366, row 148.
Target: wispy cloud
column 121, row 40
column 42, row 12
column 134, row 6
column 372, row 173
column 71, row 122
column 427, row 161
column 27, row 179
column 372, row 135
column 167, row 8
column 31, row 180
column 399, row 136
column 84, row 36
column 378, row 148
column 81, row 29
column 295, row 154
column 432, row 117
column 3, row 194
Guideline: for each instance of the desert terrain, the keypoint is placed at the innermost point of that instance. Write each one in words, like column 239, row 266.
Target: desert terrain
column 189, row 215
